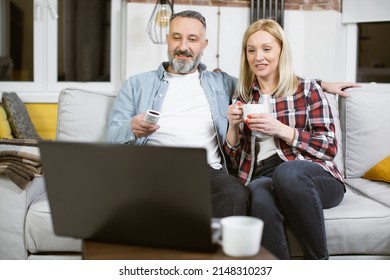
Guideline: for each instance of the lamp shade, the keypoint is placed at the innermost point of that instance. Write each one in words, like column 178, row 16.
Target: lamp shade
column 158, row 25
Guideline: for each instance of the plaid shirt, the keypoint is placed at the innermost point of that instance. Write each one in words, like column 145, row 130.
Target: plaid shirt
column 308, row 111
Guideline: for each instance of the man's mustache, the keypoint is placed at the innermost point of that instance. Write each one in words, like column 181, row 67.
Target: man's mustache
column 185, row 53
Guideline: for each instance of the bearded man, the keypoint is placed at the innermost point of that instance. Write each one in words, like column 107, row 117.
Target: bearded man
column 192, row 102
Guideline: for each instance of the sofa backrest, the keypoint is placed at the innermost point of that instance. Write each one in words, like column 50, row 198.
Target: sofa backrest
column 83, row 115
column 362, row 123
column 365, row 124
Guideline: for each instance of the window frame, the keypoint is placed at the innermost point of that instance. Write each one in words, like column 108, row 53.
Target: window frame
column 45, row 88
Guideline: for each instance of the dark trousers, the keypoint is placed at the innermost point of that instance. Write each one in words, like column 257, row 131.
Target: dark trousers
column 294, row 193
column 229, row 196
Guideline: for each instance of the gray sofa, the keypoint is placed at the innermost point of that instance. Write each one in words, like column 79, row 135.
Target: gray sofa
column 358, row 228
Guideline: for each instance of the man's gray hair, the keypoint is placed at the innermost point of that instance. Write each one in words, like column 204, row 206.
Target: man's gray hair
column 191, row 14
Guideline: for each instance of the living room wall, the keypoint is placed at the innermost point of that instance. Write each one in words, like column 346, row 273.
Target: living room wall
column 289, row 4
column 314, row 28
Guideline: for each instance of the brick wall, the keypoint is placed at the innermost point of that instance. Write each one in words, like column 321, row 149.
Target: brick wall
column 305, row 5
column 313, row 5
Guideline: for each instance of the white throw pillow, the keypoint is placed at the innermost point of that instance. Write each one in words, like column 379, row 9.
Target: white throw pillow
column 83, row 115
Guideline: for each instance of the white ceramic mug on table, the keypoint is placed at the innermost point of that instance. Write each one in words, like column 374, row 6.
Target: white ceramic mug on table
column 240, row 236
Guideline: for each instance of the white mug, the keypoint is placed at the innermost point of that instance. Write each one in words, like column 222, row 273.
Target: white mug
column 240, row 236
column 255, row 108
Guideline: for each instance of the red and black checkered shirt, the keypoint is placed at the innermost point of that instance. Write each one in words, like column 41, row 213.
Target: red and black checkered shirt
column 308, row 111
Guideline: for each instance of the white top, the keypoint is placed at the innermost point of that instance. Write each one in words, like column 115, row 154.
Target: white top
column 265, row 145
column 185, row 119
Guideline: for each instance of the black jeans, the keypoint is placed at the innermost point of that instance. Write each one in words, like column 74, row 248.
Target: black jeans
column 294, row 193
column 229, row 196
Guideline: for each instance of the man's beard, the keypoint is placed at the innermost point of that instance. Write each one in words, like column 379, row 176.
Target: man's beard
column 183, row 66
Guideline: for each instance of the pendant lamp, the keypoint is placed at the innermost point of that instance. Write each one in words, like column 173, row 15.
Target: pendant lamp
column 158, row 26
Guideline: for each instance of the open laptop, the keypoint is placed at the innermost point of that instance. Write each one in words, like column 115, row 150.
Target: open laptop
column 138, row 195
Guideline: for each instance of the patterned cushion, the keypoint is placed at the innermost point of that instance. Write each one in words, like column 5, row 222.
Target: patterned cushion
column 18, row 117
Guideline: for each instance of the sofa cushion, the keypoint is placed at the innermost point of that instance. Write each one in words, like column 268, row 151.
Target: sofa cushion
column 83, row 115
column 380, row 171
column 365, row 126
column 378, row 191
column 358, row 226
column 18, row 117
column 350, row 225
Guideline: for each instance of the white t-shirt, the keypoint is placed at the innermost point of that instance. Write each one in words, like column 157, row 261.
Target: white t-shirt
column 186, row 119
column 265, row 145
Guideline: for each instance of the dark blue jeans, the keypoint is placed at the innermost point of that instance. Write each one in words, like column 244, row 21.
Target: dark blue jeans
column 229, row 196
column 294, row 194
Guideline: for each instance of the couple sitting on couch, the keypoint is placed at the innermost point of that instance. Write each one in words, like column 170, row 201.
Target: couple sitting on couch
column 194, row 104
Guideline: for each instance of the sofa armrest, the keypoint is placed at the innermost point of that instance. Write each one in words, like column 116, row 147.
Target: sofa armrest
column 14, row 204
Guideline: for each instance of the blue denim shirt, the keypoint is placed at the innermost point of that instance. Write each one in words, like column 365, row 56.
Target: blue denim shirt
column 147, row 91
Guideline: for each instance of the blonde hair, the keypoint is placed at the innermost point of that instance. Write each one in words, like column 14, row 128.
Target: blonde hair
column 288, row 81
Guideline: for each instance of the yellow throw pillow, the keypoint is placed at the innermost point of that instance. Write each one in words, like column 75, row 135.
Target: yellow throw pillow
column 380, row 172
column 5, row 129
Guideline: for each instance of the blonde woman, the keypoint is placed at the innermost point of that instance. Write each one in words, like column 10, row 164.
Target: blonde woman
column 285, row 157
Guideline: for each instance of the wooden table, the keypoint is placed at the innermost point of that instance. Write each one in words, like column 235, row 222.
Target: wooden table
column 110, row 251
